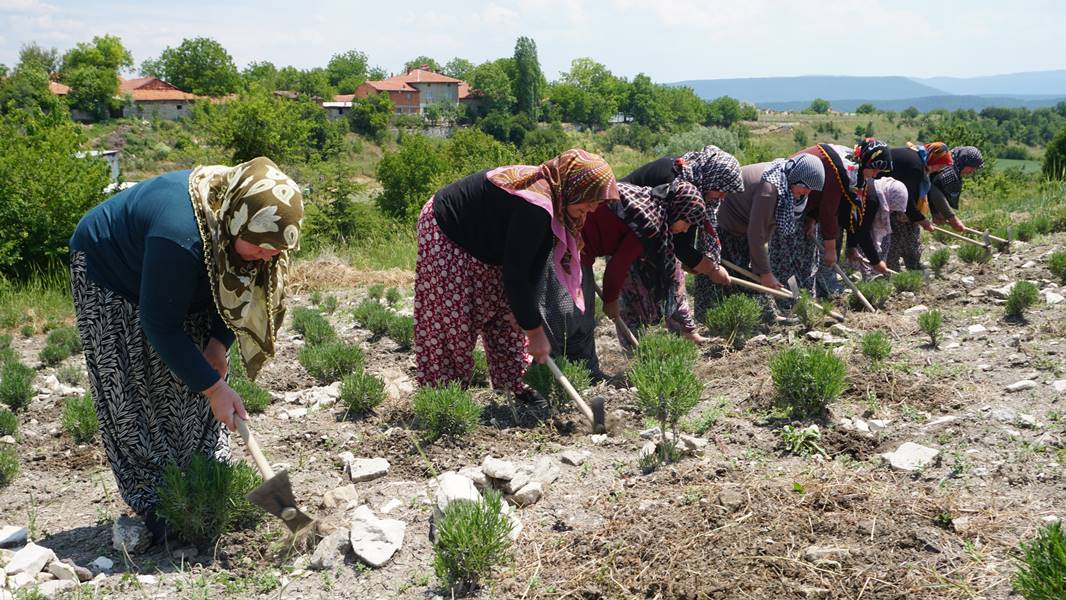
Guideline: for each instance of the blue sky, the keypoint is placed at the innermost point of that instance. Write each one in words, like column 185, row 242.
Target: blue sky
column 669, row 40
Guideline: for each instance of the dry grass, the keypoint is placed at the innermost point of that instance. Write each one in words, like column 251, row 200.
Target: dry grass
column 330, row 272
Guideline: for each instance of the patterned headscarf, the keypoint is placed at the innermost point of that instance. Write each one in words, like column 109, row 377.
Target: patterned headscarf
column 256, row 202
column 872, row 153
column 937, row 153
column 892, row 194
column 573, row 177
column 805, row 170
column 650, row 212
column 967, row 156
column 711, row 169
column 846, row 173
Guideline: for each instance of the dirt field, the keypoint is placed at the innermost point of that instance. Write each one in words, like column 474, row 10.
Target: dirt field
column 745, row 520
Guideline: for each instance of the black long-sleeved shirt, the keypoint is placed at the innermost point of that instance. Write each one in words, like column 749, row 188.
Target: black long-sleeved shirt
column 908, row 168
column 499, row 228
column 654, row 174
column 862, row 237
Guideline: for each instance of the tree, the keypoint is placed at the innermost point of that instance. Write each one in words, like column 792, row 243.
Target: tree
column 544, row 143
column 800, row 137
column 491, row 80
column 370, row 116
column 199, row 66
column 529, row 80
column 458, row 68
column 409, row 176
column 313, row 83
column 46, row 59
column 644, row 105
column 27, row 89
column 377, row 73
column 105, row 52
column 263, row 74
column 421, row 62
column 91, row 71
column 1055, row 156
column 603, row 91
column 819, row 106
column 723, row 112
column 866, row 109
column 347, row 71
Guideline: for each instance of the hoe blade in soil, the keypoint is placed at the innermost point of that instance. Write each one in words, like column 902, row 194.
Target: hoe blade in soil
column 275, row 496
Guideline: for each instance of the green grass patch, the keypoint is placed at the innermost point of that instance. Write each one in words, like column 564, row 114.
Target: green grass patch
column 907, row 281
column 1056, row 263
column 9, row 466
column 313, row 326
column 9, row 423
column 79, row 418
column 1041, row 573
column 402, row 330
column 938, row 260
column 41, row 299
column 373, row 316
column 971, row 254
column 207, row 499
column 540, row 378
column 876, row 292
column 876, row 346
column 393, row 297
column 1023, row 295
column 255, row 398
column 16, row 384
column 446, row 411
column 61, row 343
column 735, row 318
column 807, row 379
column 480, row 374
column 331, row 361
column 931, row 322
column 361, row 392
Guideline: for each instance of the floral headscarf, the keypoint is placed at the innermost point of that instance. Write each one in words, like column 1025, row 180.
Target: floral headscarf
column 256, row 202
column 573, row 177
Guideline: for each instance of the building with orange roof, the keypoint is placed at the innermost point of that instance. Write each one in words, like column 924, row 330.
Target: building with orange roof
column 413, row 91
column 151, row 96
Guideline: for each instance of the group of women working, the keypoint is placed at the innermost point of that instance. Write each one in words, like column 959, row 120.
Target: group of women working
column 168, row 274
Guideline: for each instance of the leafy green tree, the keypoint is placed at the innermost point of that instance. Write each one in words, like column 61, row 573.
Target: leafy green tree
column 313, row 83
column 377, row 74
column 198, row 65
column 866, row 109
column 644, row 104
column 27, row 89
column 819, row 106
column 370, row 116
column 491, row 80
column 469, row 151
column 544, row 143
column 347, row 71
column 1055, row 156
column 683, row 108
column 262, row 73
column 91, row 71
column 420, row 62
column 45, row 59
column 603, row 92
column 695, row 139
column 529, row 81
column 45, row 186
column 409, row 175
column 106, row 52
column 723, row 112
column 458, row 68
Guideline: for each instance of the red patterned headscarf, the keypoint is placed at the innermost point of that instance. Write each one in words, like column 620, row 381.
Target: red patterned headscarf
column 938, row 153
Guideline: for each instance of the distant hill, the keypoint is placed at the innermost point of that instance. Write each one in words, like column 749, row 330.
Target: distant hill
column 1033, row 90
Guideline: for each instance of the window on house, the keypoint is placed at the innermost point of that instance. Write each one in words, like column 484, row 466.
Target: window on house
column 179, row 107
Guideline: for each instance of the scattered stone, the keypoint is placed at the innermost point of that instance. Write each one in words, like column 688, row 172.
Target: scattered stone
column 130, row 535
column 731, row 499
column 330, row 551
column 1050, row 519
column 815, row 335
column 63, row 571
column 292, row 413
column 1059, row 386
column 692, row 444
column 920, row 308
column 1025, row 384
column 911, row 456
column 652, row 433
column 1004, row 415
column 29, row 559
column 390, row 506
column 375, row 540
column 984, row 367
column 952, row 345
column 20, row 581
column 498, row 469
column 476, row 475
column 5, row 557
column 13, row 536
column 1027, row 421
column 516, row 523
column 51, row 589
column 148, row 580
column 968, row 281
column 315, row 397
column 8, row 439
column 860, row 425
column 977, row 329
column 839, row 329
column 1001, row 293
column 44, row 576
column 648, row 449
column 519, row 481
column 598, row 438
column 53, row 387
column 342, row 496
column 817, row 553
column 103, row 563
column 963, row 524
column 452, row 486
column 1029, row 264
column 878, row 424
column 530, row 493
column 545, row 471
column 578, row 457
column 367, row 469
column 1052, row 298
column 944, row 420
column 83, row 574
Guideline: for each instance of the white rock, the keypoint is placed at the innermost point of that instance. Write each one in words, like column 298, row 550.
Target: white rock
column 129, row 534
column 516, row 523
column 816, row 553
column 951, row 346
column 5, row 557
column 860, row 425
column 367, row 469
column 916, row 309
column 839, row 329
column 878, row 424
column 11, row 535
column 944, row 420
column 1059, row 386
column 648, row 449
column 530, row 493
column 1051, row 519
column 545, row 471
column 976, row 329
column 295, row 413
column 148, row 580
column 1025, row 384
column 342, row 496
column 375, row 540
column 651, row 433
column 330, row 551
column 8, row 439
column 968, row 281
column 693, row 444
column 476, row 475
column 1004, row 415
column 598, row 438
column 1027, row 421
column 315, row 397
column 911, row 456
column 20, row 581
column 102, row 563
column 29, row 559
column 984, row 367
column 578, row 457
column 1052, row 298
column 51, row 589
column 63, row 571
column 390, row 506
column 519, row 481
column 498, row 469
column 1001, row 293
column 1029, row 264
column 452, row 486
column 815, row 335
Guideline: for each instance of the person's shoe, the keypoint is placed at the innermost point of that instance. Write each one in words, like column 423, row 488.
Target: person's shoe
column 531, row 398
column 597, row 376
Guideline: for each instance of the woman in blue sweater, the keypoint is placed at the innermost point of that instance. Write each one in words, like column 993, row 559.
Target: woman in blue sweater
column 165, row 276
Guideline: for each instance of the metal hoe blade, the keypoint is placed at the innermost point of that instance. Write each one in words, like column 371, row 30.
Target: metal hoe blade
column 275, row 496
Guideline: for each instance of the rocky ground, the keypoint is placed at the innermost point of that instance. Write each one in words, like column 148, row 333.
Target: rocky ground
column 936, row 465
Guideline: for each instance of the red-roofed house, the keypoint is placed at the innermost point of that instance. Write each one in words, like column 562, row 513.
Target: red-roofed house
column 413, row 91
column 151, row 96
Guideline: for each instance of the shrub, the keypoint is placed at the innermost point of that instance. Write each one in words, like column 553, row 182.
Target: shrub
column 69, row 374
column 331, row 361
column 1041, row 571
column 1057, row 265
column 802, row 441
column 446, row 411
column 1023, row 295
column 734, row 318
column 79, row 418
column 9, row 466
column 402, row 330
column 908, row 281
column 376, row 292
column 480, row 374
column 409, row 176
column 807, row 379
column 876, row 346
column 329, row 304
column 809, row 312
column 61, row 343
column 361, row 392
column 658, row 345
column 393, row 296
column 255, row 398
column 472, row 538
column 313, row 326
column 930, row 322
column 373, row 316
column 969, row 253
column 667, row 389
column 696, row 138
column 540, row 378
column 938, row 260
column 16, row 384
column 9, row 423
column 876, row 291
column 207, row 499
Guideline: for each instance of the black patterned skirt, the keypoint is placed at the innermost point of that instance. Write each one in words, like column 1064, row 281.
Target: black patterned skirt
column 148, row 417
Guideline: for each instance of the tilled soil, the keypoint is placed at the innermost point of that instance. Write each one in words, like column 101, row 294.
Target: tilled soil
column 745, row 520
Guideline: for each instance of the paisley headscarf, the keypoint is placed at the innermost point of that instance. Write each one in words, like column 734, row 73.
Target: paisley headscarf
column 256, row 202
column 573, row 177
column 804, row 169
column 711, row 169
column 936, row 154
column 650, row 212
column 892, row 195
